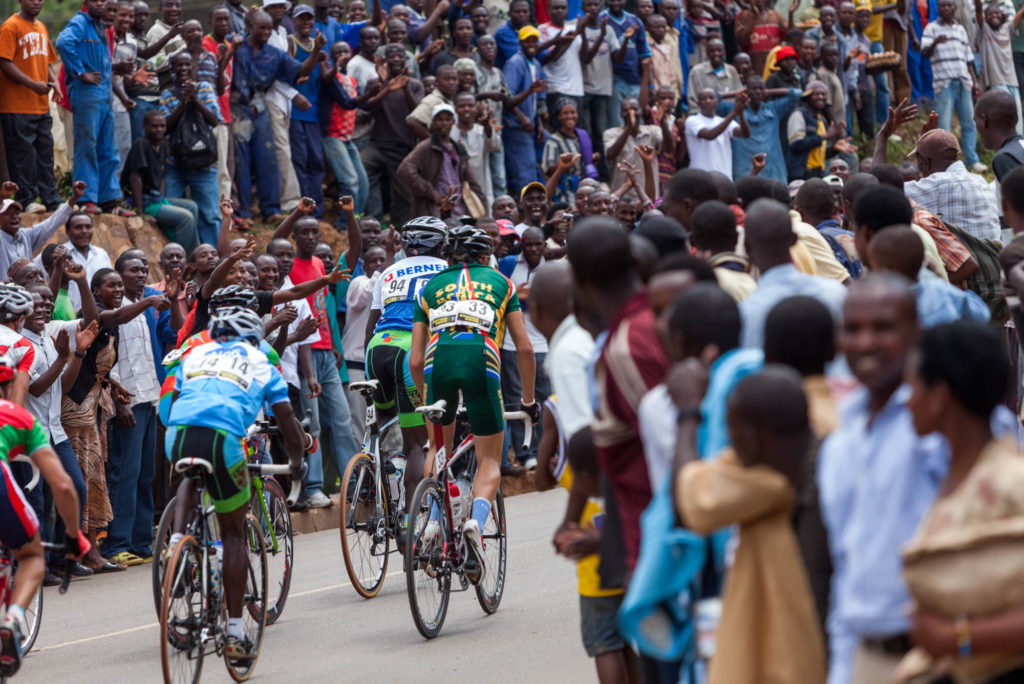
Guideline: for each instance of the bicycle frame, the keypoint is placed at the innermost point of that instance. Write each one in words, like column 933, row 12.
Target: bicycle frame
column 371, row 447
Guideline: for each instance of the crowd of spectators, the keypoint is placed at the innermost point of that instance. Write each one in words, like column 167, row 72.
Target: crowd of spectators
column 725, row 293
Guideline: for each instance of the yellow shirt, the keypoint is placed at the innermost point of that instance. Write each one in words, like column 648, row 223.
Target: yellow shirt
column 874, row 29
column 588, row 579
column 816, row 157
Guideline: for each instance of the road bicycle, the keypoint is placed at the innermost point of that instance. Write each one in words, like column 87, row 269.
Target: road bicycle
column 193, row 617
column 33, row 611
column 268, row 504
column 372, row 503
column 429, row 567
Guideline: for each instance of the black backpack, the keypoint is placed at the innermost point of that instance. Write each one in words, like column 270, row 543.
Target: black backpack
column 193, row 145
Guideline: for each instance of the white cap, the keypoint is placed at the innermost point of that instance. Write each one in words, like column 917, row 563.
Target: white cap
column 443, row 107
column 7, row 204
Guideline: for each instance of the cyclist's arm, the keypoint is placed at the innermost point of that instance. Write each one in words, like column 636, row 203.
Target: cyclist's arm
column 64, row 494
column 524, row 353
column 290, row 430
column 417, row 350
column 371, row 325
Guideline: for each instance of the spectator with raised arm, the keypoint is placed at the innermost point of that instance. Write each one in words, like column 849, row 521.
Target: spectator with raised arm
column 709, row 136
column 522, row 111
column 20, row 243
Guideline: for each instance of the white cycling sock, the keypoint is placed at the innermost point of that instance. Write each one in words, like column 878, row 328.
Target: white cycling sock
column 17, row 613
column 235, row 628
column 175, row 538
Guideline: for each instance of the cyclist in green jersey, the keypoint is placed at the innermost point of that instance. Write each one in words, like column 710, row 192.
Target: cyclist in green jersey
column 458, row 327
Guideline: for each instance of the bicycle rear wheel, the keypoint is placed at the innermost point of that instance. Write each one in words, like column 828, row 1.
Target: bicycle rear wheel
column 489, row 591
column 428, row 566
column 34, row 617
column 364, row 539
column 181, row 614
column 277, row 534
column 160, row 543
column 254, row 612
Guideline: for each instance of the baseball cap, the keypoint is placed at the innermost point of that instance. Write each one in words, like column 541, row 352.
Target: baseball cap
column 505, row 227
column 784, row 52
column 862, row 5
column 528, row 32
column 442, row 107
column 464, row 64
column 937, row 144
column 794, row 187
column 268, row 3
column 9, row 203
column 532, row 186
column 833, row 180
column 302, row 9
column 815, row 85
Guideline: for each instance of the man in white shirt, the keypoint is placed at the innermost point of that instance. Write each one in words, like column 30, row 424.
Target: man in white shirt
column 709, row 136
column 563, row 69
column 81, row 250
column 520, row 269
column 353, row 338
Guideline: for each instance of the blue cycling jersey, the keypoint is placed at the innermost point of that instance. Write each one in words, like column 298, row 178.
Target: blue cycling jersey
column 224, row 386
column 398, row 287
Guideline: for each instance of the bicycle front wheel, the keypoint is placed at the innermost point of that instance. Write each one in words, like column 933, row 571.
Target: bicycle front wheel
column 276, row 524
column 428, row 571
column 181, row 614
column 160, row 544
column 33, row 616
column 364, row 539
column 489, row 591
column 254, row 606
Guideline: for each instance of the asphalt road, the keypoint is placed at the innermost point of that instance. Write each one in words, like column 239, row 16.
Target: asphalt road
column 105, row 630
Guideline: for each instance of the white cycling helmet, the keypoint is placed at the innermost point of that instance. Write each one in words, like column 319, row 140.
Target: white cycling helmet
column 15, row 301
column 236, row 322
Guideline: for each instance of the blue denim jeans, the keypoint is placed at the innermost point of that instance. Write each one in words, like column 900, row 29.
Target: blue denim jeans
column 178, row 218
column 55, row 532
column 95, row 159
column 520, row 159
column 202, row 189
column 131, row 465
column 881, row 88
column 255, row 158
column 511, row 390
column 138, row 113
column 620, row 91
column 332, row 420
column 957, row 95
column 347, row 166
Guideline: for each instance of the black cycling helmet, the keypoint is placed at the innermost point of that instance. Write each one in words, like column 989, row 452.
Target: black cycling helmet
column 469, row 243
column 424, row 235
column 233, row 296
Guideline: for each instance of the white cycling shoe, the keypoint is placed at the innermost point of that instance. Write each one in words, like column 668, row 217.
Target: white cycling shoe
column 430, row 535
column 474, row 550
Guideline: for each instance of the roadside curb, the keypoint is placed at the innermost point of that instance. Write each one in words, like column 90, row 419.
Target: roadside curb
column 320, row 519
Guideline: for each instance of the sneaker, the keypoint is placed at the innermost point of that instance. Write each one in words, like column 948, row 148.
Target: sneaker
column 474, row 549
column 430, row 534
column 239, row 649
column 319, row 500
column 126, row 558
column 50, row 579
column 35, row 208
column 978, row 167
column 10, row 647
column 531, row 463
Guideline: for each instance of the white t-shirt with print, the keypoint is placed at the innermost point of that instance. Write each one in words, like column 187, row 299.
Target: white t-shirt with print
column 565, row 74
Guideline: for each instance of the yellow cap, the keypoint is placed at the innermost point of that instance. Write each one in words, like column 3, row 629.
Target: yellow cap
column 528, row 32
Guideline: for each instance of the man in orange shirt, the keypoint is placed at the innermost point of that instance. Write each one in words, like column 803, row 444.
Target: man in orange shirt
column 25, row 81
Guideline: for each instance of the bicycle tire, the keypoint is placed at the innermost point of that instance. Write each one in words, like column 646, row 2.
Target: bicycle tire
column 490, row 590
column 279, row 561
column 181, row 614
column 254, row 613
column 34, row 618
column 160, row 542
column 428, row 572
column 360, row 529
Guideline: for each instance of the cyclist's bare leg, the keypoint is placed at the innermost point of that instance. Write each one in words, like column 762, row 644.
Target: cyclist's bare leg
column 184, row 503
column 31, row 566
column 232, row 533
column 414, row 441
column 488, row 458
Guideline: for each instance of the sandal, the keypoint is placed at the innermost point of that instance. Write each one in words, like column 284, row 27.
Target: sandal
column 91, row 208
column 123, row 212
column 108, row 567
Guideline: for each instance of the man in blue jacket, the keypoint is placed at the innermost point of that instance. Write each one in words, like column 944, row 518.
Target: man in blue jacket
column 524, row 79
column 88, row 70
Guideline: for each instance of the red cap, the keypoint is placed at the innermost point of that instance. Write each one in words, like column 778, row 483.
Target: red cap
column 786, row 51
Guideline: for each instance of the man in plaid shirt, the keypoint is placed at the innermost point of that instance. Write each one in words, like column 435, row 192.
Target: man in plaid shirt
column 945, row 43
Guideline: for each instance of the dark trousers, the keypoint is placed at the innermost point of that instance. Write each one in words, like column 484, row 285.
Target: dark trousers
column 511, row 392
column 865, row 116
column 255, row 159
column 131, row 466
column 381, row 164
column 308, row 159
column 28, row 141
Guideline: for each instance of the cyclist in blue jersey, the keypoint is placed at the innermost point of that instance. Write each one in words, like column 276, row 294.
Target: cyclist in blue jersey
column 220, row 388
column 389, row 334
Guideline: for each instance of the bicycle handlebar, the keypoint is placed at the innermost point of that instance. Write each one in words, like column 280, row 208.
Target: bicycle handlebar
column 35, row 472
column 271, row 469
column 527, row 425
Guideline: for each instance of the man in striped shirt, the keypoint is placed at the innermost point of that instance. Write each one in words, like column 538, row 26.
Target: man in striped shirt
column 945, row 43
